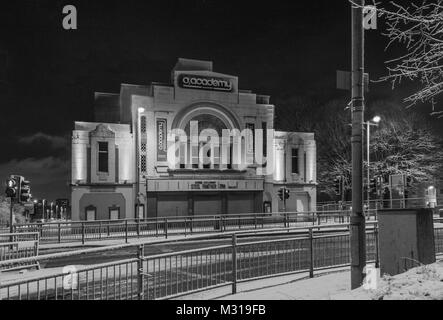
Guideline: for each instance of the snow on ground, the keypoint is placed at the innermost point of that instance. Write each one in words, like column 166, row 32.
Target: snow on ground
column 422, row 283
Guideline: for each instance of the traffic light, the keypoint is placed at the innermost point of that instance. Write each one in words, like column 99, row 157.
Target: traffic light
column 25, row 190
column 12, row 188
column 287, row 194
column 281, row 192
column 338, row 185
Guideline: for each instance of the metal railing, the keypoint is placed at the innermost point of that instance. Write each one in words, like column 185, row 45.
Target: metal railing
column 410, row 203
column 172, row 274
column 16, row 246
column 181, row 273
column 163, row 227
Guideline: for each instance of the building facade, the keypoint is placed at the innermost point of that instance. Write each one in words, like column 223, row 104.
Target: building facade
column 195, row 146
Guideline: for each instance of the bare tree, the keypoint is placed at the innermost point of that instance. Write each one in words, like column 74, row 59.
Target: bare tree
column 404, row 143
column 419, row 28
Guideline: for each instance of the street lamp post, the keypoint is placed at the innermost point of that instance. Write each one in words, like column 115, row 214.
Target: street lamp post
column 374, row 122
column 357, row 221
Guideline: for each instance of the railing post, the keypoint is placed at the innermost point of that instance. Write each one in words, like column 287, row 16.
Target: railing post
column 377, row 261
column 192, row 225
column 40, row 229
column 126, row 231
column 83, row 233
column 221, row 224
column 156, row 227
column 109, row 228
column 166, row 228
column 140, row 273
column 234, row 263
column 138, row 227
column 311, row 253
column 255, row 221
column 100, row 230
column 59, row 233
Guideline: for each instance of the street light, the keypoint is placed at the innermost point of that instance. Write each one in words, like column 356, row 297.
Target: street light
column 374, row 122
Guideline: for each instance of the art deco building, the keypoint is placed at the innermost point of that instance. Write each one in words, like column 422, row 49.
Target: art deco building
column 142, row 157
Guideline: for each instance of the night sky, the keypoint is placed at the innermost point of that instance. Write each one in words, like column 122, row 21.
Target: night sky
column 48, row 75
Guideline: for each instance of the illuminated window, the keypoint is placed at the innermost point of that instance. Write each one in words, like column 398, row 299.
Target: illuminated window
column 295, row 161
column 251, row 137
column 103, row 157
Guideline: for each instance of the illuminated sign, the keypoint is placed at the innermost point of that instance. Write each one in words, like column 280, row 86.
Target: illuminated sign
column 205, row 83
column 162, row 145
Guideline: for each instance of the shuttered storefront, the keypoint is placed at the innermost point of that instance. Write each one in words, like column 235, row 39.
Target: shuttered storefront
column 172, row 205
column 241, row 202
column 210, row 204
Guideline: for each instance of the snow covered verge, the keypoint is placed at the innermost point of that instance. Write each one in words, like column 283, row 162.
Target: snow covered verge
column 422, row 283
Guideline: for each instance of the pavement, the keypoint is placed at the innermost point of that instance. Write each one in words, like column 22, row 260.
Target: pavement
column 323, row 286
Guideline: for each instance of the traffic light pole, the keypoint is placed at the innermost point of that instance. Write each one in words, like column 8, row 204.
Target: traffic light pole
column 11, row 219
column 284, row 199
column 357, row 225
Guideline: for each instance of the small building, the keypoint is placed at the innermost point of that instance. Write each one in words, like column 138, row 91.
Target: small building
column 195, row 146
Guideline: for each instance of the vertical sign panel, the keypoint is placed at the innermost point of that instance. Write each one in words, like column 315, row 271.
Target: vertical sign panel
column 162, row 145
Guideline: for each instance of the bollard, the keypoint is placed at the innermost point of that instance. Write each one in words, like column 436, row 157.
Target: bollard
column 234, row 263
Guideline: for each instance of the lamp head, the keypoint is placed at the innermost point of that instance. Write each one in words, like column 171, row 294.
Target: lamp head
column 376, row 119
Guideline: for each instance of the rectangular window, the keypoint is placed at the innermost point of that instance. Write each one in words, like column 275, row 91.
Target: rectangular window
column 103, row 163
column 91, row 213
column 304, row 167
column 295, row 161
column 114, row 213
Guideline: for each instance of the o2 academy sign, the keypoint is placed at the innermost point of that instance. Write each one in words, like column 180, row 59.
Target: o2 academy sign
column 187, row 81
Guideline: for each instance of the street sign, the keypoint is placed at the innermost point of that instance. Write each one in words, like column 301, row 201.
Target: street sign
column 344, row 81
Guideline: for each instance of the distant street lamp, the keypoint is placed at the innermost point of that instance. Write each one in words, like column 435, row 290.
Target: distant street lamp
column 374, row 122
